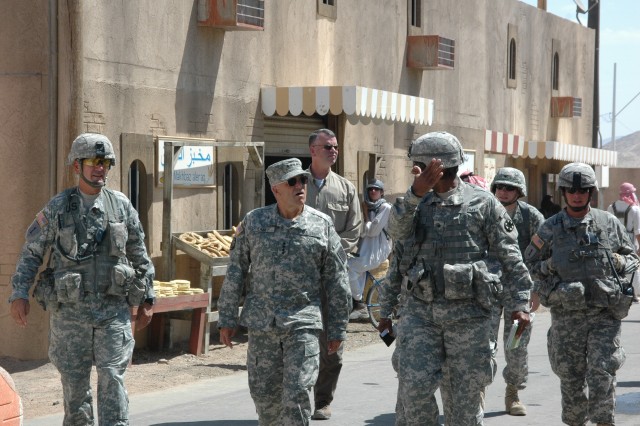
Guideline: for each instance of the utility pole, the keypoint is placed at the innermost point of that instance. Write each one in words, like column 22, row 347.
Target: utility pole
column 594, row 22
column 613, row 113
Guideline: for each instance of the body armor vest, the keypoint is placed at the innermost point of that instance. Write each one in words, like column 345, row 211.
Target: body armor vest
column 524, row 228
column 442, row 237
column 91, row 244
column 579, row 254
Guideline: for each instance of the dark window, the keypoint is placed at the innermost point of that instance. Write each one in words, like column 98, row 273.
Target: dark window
column 329, row 2
column 416, row 13
column 555, row 72
column 512, row 59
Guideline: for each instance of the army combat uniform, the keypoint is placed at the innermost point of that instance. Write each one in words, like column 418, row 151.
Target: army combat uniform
column 445, row 322
column 98, row 267
column 587, row 304
column 285, row 265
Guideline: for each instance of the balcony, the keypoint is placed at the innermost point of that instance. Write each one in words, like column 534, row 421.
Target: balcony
column 566, row 107
column 232, row 15
column 430, row 52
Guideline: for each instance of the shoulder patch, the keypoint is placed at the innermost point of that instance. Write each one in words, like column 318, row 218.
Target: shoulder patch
column 508, row 225
column 41, row 219
column 537, row 241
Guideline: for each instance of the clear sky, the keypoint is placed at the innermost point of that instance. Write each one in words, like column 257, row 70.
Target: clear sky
column 620, row 44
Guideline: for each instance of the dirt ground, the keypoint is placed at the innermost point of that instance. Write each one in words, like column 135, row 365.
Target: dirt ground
column 38, row 382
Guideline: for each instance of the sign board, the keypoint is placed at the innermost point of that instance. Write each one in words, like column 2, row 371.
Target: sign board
column 469, row 162
column 195, row 166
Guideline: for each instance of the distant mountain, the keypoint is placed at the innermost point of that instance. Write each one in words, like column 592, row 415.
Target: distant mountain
column 629, row 146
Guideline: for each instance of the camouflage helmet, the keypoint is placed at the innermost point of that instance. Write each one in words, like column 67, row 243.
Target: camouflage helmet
column 512, row 177
column 441, row 145
column 91, row 145
column 577, row 175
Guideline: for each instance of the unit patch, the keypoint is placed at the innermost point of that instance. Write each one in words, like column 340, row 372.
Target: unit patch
column 509, row 226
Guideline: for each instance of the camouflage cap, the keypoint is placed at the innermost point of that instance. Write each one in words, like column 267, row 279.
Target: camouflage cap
column 441, row 145
column 512, row 177
column 577, row 175
column 282, row 170
column 91, row 145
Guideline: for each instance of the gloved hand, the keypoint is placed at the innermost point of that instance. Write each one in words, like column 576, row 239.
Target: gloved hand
column 619, row 262
column 547, row 267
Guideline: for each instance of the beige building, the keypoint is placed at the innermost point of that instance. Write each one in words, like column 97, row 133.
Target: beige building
column 241, row 83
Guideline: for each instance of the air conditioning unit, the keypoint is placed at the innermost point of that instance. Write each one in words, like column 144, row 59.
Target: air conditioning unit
column 430, row 52
column 238, row 15
column 566, row 107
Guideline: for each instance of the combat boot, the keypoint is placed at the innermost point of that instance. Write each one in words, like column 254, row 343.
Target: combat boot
column 512, row 403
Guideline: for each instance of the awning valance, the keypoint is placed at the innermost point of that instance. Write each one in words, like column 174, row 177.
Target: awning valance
column 572, row 153
column 504, row 143
column 352, row 100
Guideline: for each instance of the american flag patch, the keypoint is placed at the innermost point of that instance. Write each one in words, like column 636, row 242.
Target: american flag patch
column 42, row 220
column 537, row 241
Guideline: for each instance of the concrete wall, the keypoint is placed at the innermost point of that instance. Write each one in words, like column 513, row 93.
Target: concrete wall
column 148, row 69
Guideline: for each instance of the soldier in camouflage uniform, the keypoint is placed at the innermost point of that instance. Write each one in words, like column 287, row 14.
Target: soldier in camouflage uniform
column 581, row 260
column 445, row 319
column 508, row 185
column 287, row 255
column 97, row 268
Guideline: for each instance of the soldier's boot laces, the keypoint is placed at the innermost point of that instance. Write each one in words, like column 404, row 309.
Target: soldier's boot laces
column 512, row 402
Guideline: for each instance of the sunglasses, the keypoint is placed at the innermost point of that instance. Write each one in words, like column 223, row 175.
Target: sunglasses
column 329, row 147
column 373, row 188
column 578, row 190
column 506, row 187
column 294, row 180
column 105, row 162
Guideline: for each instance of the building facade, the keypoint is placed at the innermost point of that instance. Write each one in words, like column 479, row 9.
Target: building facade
column 242, row 83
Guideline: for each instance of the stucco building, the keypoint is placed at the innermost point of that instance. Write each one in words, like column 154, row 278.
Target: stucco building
column 243, row 83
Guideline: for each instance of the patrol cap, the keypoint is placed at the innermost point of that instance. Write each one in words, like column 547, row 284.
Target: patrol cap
column 91, row 145
column 627, row 188
column 441, row 145
column 282, row 170
column 577, row 175
column 375, row 184
column 512, row 177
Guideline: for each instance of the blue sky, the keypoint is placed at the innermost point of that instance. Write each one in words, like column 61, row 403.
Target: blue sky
column 620, row 44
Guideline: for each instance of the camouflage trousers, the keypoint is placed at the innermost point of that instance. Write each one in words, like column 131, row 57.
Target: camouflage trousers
column 585, row 353
column 454, row 355
column 81, row 334
column 516, row 370
column 282, row 366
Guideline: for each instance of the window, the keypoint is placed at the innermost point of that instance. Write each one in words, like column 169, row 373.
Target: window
column 415, row 13
column 328, row 8
column 555, row 70
column 512, row 57
column 139, row 195
column 230, row 196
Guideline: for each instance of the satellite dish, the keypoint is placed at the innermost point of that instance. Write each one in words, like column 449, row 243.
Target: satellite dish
column 580, row 7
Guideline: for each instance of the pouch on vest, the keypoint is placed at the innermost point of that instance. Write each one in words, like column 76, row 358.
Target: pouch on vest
column 43, row 292
column 67, row 287
column 620, row 309
column 137, row 291
column 68, row 241
column 121, row 277
column 602, row 294
column 118, row 239
column 545, row 290
column 419, row 282
column 458, row 281
column 487, row 286
column 571, row 295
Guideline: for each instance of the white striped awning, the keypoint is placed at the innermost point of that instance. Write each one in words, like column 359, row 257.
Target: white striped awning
column 504, row 143
column 352, row 100
column 571, row 153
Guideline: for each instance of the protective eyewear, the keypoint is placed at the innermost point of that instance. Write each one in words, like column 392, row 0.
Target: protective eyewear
column 373, row 188
column 506, row 187
column 105, row 162
column 294, row 180
column 329, row 147
column 578, row 190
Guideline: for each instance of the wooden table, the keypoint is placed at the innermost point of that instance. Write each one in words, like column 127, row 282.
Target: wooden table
column 198, row 302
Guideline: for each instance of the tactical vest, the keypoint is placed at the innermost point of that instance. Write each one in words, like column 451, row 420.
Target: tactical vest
column 438, row 242
column 92, row 252
column 577, row 254
column 623, row 216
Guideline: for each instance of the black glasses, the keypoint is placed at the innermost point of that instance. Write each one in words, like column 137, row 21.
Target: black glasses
column 294, row 180
column 578, row 190
column 329, row 147
column 373, row 188
column 506, row 187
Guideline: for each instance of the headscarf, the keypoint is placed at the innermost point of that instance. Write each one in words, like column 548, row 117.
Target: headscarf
column 627, row 194
column 374, row 205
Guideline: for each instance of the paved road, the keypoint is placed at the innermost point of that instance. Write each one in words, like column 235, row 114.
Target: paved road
column 367, row 390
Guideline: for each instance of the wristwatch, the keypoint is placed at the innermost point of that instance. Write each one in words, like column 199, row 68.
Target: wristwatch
column 151, row 301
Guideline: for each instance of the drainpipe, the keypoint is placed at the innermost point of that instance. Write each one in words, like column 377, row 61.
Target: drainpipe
column 53, row 97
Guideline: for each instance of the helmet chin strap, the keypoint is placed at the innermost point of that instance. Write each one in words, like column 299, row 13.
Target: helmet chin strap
column 577, row 209
column 93, row 184
column 507, row 204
